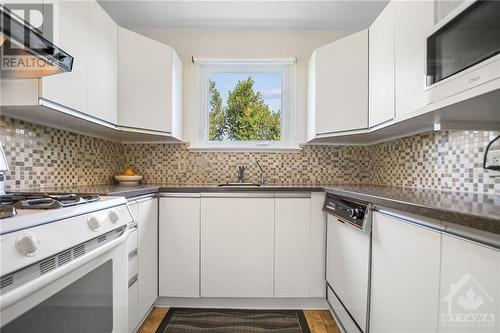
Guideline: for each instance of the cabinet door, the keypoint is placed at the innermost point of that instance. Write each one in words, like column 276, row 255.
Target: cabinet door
column 179, row 248
column 317, row 282
column 445, row 7
column 470, row 287
column 133, row 313
column 70, row 34
column 144, row 87
column 381, row 78
column 147, row 245
column 292, row 247
column 405, row 276
column 237, row 247
column 341, row 71
column 102, row 68
column 413, row 21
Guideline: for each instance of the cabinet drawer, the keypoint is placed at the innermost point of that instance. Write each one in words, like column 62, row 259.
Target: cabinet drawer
column 133, row 315
column 132, row 264
column 132, row 240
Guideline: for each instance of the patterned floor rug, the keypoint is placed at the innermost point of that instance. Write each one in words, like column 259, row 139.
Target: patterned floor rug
column 184, row 320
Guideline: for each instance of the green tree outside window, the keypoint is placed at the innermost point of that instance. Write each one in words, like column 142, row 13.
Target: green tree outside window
column 244, row 117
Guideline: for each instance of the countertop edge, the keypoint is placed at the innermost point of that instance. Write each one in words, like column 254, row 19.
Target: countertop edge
column 479, row 222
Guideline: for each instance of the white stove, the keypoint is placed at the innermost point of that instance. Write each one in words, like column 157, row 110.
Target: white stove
column 69, row 262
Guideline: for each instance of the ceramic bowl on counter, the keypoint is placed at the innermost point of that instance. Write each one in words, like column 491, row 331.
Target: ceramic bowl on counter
column 128, row 180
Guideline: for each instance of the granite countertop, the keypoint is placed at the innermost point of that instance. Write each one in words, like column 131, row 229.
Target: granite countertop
column 474, row 210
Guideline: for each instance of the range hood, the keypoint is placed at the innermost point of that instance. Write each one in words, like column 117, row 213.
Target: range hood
column 25, row 53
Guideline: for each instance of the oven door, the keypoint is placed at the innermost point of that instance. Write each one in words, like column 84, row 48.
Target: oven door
column 89, row 294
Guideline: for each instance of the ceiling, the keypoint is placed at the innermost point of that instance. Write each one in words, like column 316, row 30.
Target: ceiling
column 282, row 15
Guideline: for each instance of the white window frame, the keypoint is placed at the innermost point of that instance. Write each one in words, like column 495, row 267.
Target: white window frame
column 288, row 113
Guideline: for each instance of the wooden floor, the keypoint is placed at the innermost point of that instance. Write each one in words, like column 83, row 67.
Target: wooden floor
column 319, row 321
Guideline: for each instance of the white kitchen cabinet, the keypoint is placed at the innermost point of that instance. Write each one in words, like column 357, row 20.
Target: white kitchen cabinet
column 179, row 248
column 102, row 65
column 237, row 245
column 317, row 282
column 292, row 246
column 338, row 87
column 413, row 22
column 149, row 92
column 71, row 33
column 470, row 285
column 133, row 313
column 405, row 276
column 147, row 242
column 133, row 288
column 381, row 68
column 89, row 91
column 444, row 7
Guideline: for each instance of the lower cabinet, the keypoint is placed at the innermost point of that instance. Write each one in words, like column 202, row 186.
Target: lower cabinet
column 179, row 248
column 405, row 276
column 242, row 245
column 425, row 280
column 143, row 267
column 469, row 299
column 292, row 247
column 147, row 241
column 237, row 246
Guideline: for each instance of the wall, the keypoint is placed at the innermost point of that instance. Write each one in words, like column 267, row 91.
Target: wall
column 40, row 156
column 447, row 160
column 241, row 44
column 173, row 163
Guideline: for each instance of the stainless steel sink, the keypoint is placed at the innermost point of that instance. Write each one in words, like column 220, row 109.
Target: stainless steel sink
column 239, row 185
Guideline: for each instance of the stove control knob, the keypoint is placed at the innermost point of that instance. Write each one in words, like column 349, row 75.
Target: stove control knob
column 113, row 216
column 28, row 244
column 93, row 223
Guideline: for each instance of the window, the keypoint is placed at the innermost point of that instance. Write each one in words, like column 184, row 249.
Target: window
column 246, row 104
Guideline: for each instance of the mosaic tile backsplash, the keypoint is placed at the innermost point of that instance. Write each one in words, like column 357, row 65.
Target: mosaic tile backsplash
column 40, row 156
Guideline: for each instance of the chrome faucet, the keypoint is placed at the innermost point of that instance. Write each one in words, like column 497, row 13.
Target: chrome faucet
column 263, row 178
column 241, row 173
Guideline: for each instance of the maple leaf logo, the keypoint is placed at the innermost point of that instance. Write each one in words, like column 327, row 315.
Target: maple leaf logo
column 470, row 301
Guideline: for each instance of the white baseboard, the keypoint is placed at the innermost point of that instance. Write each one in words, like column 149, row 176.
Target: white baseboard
column 245, row 303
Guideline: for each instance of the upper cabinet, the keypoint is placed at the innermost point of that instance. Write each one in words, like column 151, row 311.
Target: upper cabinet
column 381, row 68
column 88, row 33
column 111, row 91
column 149, row 91
column 102, row 65
column 413, row 22
column 338, row 87
column 444, row 7
column 72, row 35
column 89, row 91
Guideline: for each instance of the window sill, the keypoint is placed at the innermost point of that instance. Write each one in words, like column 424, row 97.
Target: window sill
column 246, row 149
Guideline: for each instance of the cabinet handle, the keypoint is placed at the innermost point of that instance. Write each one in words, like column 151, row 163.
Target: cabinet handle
column 132, row 254
column 133, row 280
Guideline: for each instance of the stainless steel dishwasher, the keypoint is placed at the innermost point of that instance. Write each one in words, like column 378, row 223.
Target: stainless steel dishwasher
column 348, row 261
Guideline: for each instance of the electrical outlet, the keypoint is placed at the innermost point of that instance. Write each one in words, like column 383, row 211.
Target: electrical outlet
column 494, row 157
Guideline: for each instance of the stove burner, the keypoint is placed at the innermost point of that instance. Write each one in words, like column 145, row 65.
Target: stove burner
column 41, row 201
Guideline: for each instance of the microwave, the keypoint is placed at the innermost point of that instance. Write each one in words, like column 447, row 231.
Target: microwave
column 463, row 51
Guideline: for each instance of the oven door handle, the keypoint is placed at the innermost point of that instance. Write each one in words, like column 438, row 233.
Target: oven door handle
column 15, row 295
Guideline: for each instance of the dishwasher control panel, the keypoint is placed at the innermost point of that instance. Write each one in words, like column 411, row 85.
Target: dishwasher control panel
column 347, row 211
